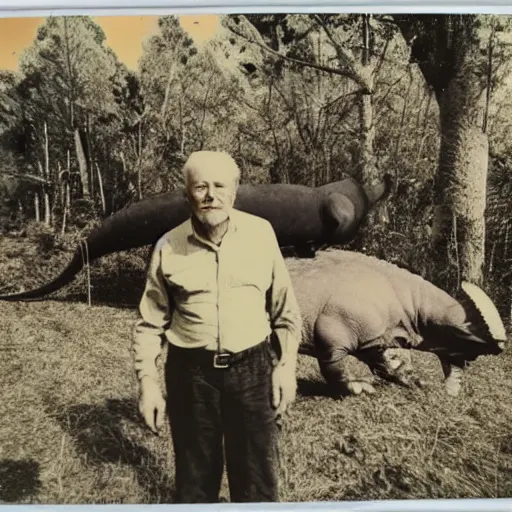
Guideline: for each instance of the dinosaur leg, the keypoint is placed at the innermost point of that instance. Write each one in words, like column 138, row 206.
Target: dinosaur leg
column 334, row 341
column 453, row 374
column 392, row 364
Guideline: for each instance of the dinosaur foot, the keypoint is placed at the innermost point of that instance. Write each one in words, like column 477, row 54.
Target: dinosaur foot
column 453, row 378
column 357, row 387
column 453, row 383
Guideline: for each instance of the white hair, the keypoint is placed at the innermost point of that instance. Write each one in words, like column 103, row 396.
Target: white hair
column 213, row 160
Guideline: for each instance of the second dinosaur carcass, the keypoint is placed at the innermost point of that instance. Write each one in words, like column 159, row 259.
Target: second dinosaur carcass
column 354, row 304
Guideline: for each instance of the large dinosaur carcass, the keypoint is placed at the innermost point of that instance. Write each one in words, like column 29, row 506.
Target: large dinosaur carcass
column 301, row 216
column 357, row 305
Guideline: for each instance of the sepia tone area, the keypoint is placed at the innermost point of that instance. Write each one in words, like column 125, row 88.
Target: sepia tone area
column 411, row 113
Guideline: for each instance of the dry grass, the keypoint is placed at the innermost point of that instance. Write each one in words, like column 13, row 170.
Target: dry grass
column 70, row 432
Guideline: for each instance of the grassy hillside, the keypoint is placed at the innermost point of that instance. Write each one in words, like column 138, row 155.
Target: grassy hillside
column 70, row 431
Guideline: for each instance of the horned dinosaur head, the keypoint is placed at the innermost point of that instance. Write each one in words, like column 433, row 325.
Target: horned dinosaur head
column 482, row 334
column 470, row 328
column 485, row 318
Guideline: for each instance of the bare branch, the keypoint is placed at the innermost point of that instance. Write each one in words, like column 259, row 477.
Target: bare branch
column 381, row 61
column 27, row 177
column 344, row 95
column 353, row 71
column 347, row 73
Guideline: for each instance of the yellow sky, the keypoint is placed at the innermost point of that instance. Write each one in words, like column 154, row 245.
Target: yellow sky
column 125, row 34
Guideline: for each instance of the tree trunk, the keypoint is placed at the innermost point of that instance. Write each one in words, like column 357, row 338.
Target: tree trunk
column 368, row 167
column 448, row 49
column 36, row 207
column 368, row 172
column 310, row 153
column 46, row 153
column 66, row 206
column 66, row 200
column 82, row 164
column 460, row 191
column 47, row 209
column 369, row 175
column 100, row 185
column 46, row 196
column 46, row 174
column 71, row 81
column 89, row 156
column 139, row 163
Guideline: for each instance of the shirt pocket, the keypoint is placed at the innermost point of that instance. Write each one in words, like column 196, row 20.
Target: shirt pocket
column 190, row 276
column 247, row 272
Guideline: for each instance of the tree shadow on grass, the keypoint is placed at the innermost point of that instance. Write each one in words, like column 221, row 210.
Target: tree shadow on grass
column 97, row 431
column 19, row 480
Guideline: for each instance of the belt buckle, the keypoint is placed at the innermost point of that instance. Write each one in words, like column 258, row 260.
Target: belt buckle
column 221, row 360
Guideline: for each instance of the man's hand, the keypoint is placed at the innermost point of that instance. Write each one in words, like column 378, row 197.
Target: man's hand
column 152, row 404
column 284, row 386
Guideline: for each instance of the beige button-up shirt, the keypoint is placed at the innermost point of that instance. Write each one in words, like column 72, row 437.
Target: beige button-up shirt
column 230, row 296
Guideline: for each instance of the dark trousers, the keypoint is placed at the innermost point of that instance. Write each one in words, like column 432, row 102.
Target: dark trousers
column 215, row 411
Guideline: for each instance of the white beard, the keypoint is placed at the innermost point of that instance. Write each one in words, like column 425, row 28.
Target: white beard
column 213, row 218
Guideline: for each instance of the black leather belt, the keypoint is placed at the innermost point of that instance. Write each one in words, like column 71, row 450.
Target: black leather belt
column 221, row 360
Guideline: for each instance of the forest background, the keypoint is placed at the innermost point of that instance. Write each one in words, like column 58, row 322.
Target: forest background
column 303, row 99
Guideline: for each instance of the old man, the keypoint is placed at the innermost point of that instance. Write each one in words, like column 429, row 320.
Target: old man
column 219, row 294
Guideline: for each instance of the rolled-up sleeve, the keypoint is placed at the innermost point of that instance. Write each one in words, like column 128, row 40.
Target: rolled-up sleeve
column 155, row 310
column 284, row 313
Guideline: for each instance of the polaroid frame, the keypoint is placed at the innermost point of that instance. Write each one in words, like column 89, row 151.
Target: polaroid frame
column 31, row 8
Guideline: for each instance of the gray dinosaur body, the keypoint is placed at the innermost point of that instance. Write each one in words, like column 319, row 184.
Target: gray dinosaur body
column 302, row 217
column 353, row 304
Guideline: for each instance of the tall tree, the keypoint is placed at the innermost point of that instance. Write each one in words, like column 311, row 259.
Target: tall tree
column 192, row 102
column 353, row 47
column 69, row 73
column 456, row 54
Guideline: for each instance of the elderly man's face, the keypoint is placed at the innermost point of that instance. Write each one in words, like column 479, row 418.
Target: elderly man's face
column 211, row 193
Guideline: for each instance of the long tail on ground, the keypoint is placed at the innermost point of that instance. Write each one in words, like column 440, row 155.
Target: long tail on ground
column 138, row 225
column 76, row 264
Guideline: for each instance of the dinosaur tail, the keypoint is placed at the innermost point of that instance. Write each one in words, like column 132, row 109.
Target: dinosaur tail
column 137, row 225
column 67, row 275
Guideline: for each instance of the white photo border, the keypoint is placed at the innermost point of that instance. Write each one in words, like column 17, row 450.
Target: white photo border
column 43, row 8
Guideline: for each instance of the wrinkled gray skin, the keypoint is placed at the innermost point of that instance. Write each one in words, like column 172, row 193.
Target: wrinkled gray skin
column 353, row 304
